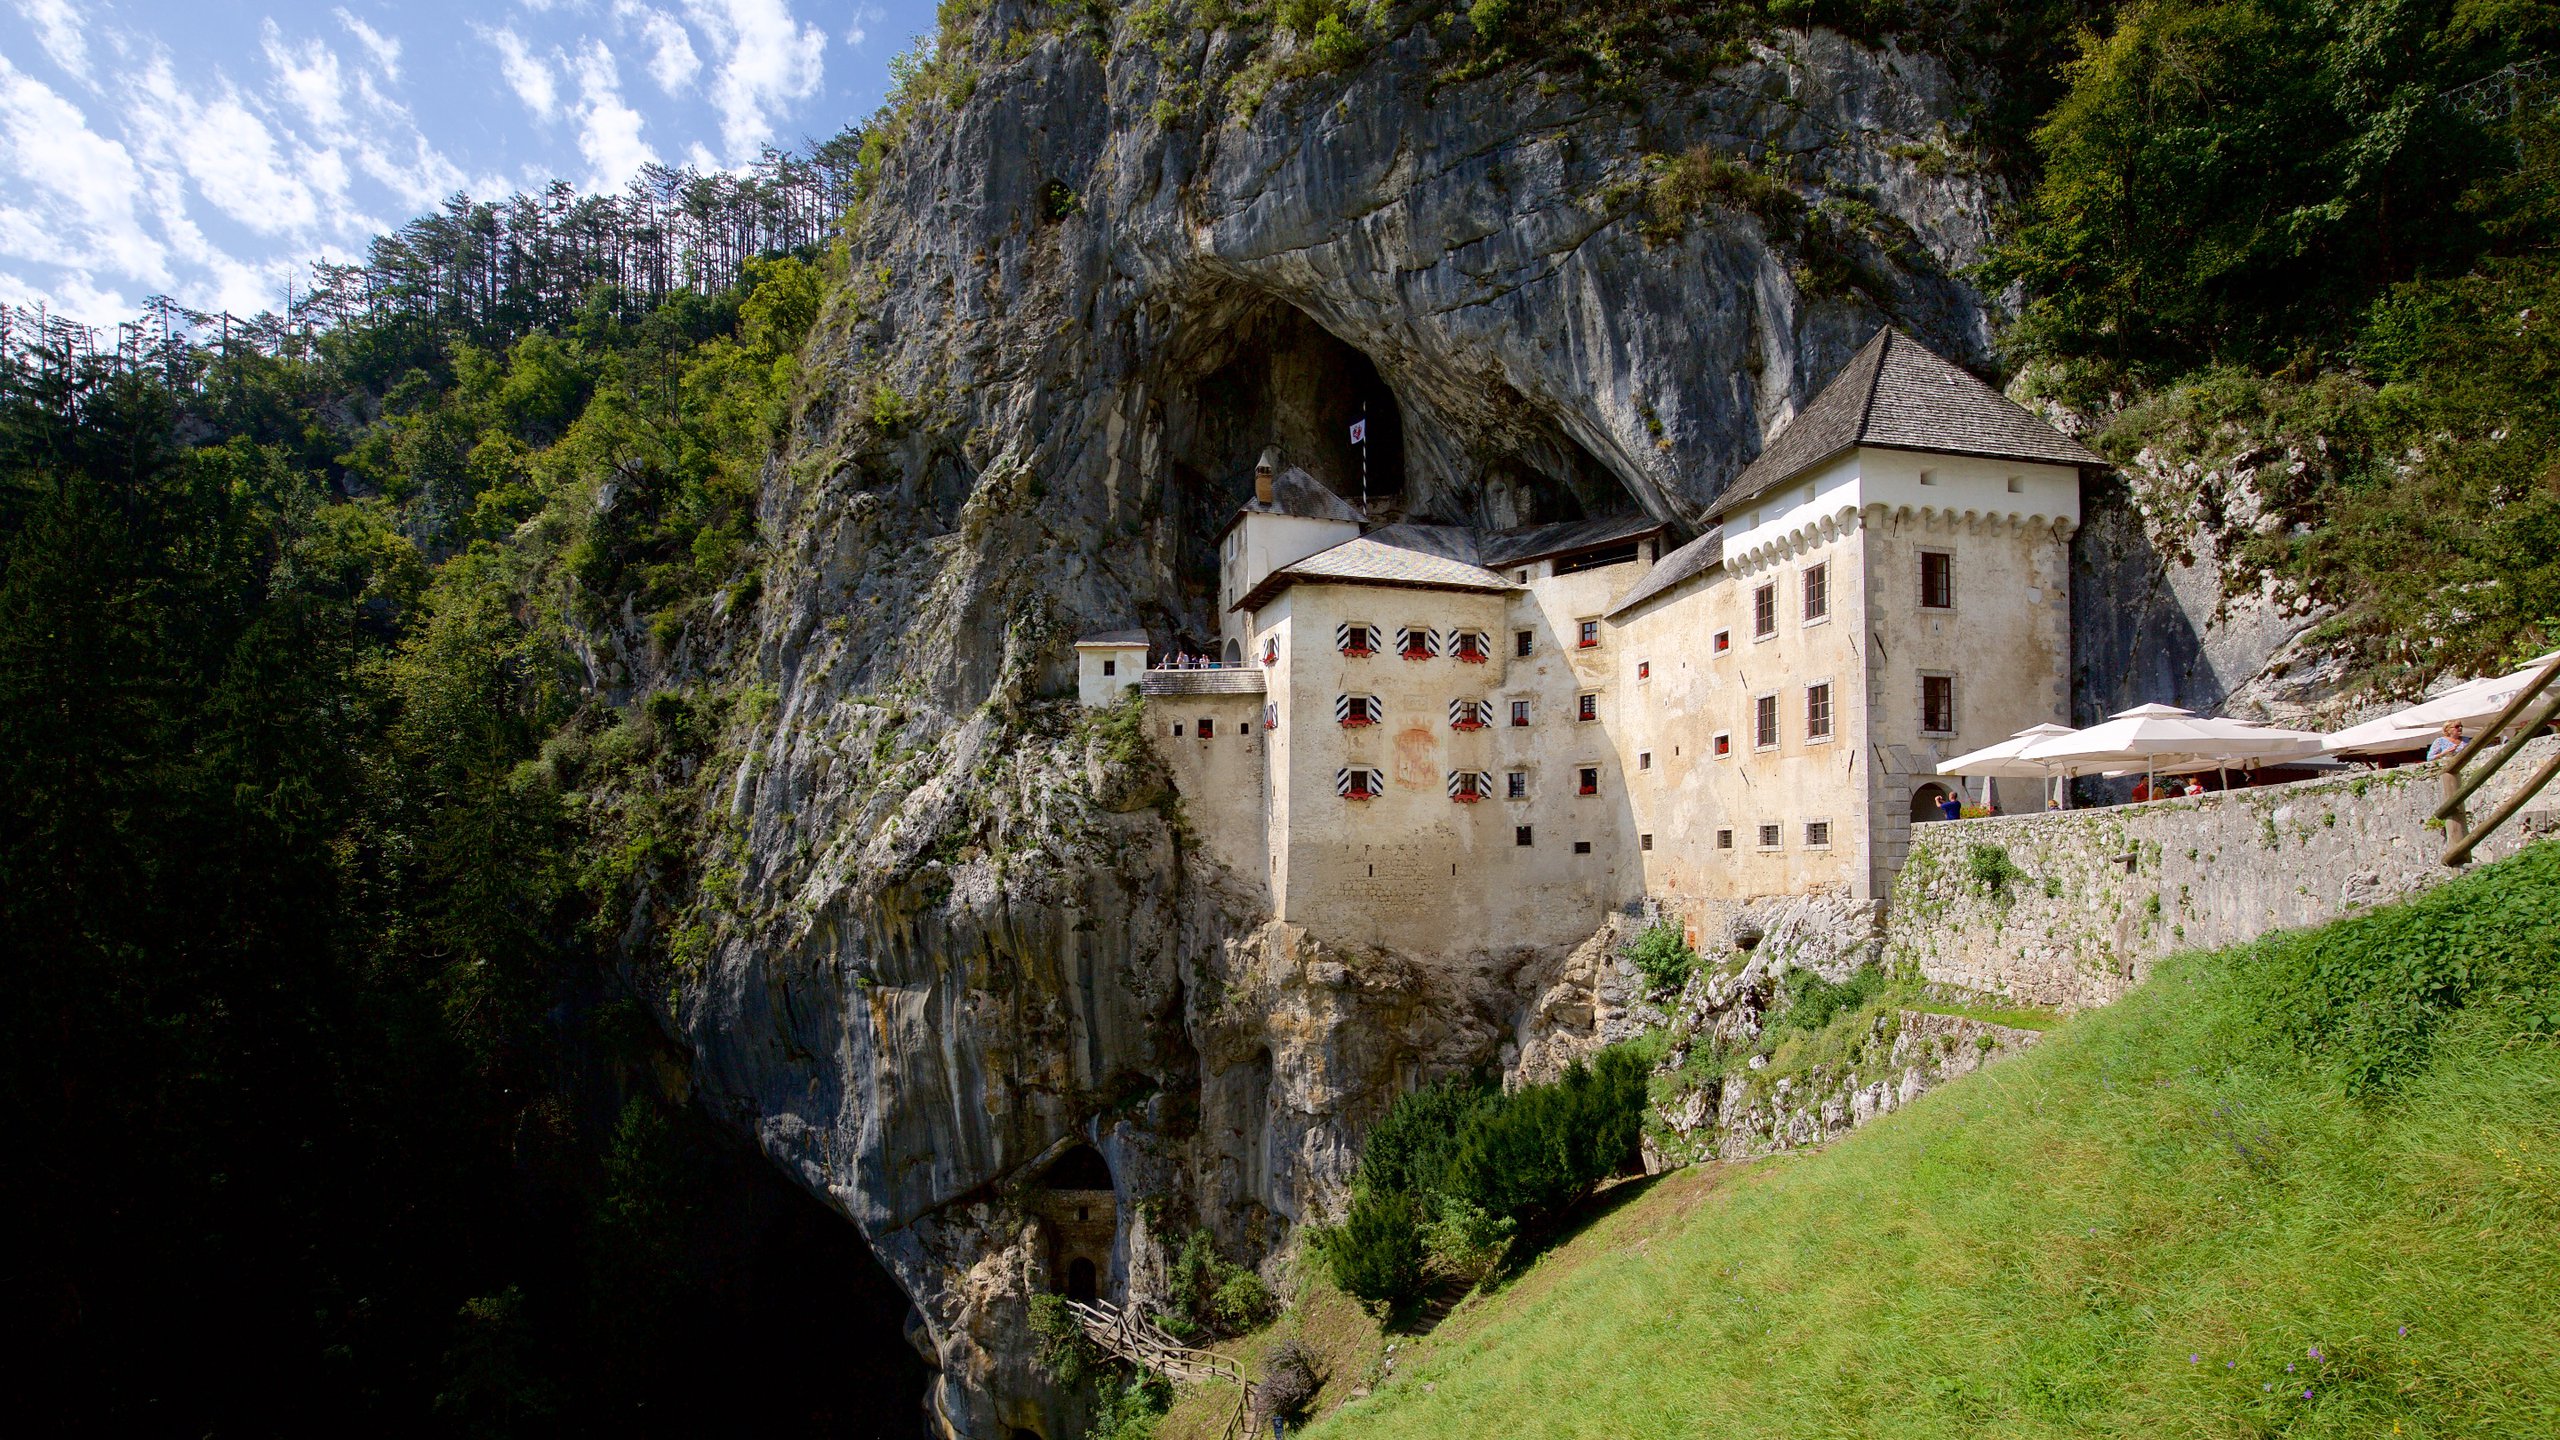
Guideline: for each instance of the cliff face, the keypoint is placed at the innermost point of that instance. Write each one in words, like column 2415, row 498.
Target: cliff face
column 968, row 926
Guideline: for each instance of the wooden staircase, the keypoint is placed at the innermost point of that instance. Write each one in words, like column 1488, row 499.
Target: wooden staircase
column 1131, row 1336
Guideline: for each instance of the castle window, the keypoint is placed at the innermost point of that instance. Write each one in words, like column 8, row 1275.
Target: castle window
column 1359, row 782
column 1586, row 706
column 1817, row 593
column 1928, row 477
column 1519, row 712
column 1418, row 642
column 1764, row 611
column 1590, row 780
column 1470, row 714
column 1938, row 704
column 1817, row 834
column 1644, row 759
column 1586, row 634
column 1177, row 729
column 1817, row 711
column 1522, row 641
column 1206, row 725
column 1354, row 711
column 1724, row 839
column 1770, row 836
column 1645, row 841
column 1723, row 641
column 1356, row 640
column 1937, row 580
column 1271, row 715
column 1271, row 650
column 1471, row 646
column 1764, row 723
column 1581, row 847
column 1515, row 786
column 1110, row 667
column 2017, row 486
column 1644, row 669
column 1469, row 786
column 1723, row 744
column 1519, row 834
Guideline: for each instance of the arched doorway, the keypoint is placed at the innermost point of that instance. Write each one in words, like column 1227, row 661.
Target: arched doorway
column 1924, row 802
column 1235, row 653
column 1080, row 1282
column 1080, row 1214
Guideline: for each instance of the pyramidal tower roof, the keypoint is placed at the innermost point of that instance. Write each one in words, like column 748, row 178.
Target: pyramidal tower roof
column 1898, row 394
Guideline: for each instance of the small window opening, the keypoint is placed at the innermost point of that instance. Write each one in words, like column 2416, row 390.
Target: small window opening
column 1519, row 834
column 1724, row 744
column 1764, row 611
column 1644, row 669
column 1938, row 704
column 1644, row 759
column 1937, row 580
column 1110, row 667
column 2017, row 485
column 1587, row 707
column 1522, row 641
column 1769, row 837
column 1519, row 712
column 1817, row 592
column 1724, row 839
column 1817, row 712
column 1581, row 847
column 1817, row 834
column 1206, row 726
column 1645, row 841
column 1587, row 634
column 1590, row 780
column 1515, row 785
column 1724, row 641
column 1764, row 723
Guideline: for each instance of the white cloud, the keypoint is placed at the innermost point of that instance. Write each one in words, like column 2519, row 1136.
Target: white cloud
column 226, row 150
column 72, row 200
column 766, row 60
column 308, row 77
column 672, row 61
column 58, row 29
column 527, row 73
column 608, row 130
column 864, row 17
column 76, row 296
column 384, row 48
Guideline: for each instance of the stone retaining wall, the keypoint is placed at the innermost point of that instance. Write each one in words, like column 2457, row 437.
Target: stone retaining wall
column 2071, row 909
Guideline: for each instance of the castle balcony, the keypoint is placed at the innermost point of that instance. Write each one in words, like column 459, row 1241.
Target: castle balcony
column 1209, row 679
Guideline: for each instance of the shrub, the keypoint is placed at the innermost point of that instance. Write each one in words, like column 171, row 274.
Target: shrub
column 1213, row 1295
column 1059, row 1346
column 1663, row 958
column 1130, row 1410
column 1813, row 1002
column 1289, row 1381
column 1464, row 1239
column 1409, row 1149
column 1992, row 869
column 1544, row 1147
column 1376, row 1255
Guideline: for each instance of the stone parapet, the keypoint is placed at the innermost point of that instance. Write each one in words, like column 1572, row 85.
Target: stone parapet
column 2071, row 909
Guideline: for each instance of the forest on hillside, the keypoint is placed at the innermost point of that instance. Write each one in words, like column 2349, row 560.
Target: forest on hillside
column 335, row 803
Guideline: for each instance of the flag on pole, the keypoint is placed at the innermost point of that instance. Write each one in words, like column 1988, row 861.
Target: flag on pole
column 1360, row 431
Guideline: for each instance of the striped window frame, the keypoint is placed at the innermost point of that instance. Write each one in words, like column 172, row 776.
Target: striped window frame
column 1371, row 782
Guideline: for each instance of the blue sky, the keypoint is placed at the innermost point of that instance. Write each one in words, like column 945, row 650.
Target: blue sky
column 208, row 149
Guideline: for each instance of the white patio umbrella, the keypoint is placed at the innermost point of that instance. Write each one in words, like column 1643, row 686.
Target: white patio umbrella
column 2234, row 741
column 2472, row 702
column 2003, row 758
column 2145, row 734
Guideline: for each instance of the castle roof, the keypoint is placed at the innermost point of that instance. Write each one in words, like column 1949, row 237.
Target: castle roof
column 1112, row 640
column 1898, row 394
column 1688, row 562
column 1296, row 493
column 1522, row 544
column 1412, row 556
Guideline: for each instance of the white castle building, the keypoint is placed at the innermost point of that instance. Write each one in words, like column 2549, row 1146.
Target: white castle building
column 1438, row 738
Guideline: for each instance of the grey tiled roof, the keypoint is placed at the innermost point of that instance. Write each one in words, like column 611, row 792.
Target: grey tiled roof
column 1898, row 394
column 1234, row 680
column 1537, row 542
column 1426, row 557
column 1690, row 560
column 1114, row 637
column 1295, row 492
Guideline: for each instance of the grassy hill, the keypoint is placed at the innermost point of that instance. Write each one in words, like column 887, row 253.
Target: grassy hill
column 2311, row 1187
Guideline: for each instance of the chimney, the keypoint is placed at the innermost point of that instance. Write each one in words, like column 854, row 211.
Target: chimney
column 1262, row 469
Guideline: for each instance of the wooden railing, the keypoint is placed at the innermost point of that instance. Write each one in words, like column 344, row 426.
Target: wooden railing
column 2460, row 783
column 1131, row 1336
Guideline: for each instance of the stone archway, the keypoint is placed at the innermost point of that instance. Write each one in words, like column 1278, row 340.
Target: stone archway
column 1924, row 802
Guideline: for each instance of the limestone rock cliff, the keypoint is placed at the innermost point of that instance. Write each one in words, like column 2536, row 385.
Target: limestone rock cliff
column 1089, row 284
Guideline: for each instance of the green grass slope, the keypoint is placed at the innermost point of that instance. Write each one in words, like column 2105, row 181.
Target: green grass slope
column 2310, row 1187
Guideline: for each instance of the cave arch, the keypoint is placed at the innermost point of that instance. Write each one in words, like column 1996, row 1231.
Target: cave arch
column 1077, row 1202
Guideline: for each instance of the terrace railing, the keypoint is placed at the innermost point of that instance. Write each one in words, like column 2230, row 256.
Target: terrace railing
column 2461, row 781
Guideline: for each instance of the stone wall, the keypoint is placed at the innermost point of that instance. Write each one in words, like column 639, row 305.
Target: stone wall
column 2071, row 909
